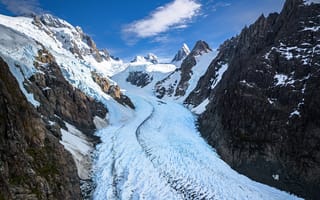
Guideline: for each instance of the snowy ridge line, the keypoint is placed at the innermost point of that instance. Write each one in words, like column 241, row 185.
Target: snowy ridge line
column 187, row 191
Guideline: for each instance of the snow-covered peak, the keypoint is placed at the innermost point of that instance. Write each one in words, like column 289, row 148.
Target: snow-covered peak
column 150, row 58
column 201, row 47
column 52, row 21
column 71, row 38
column 139, row 59
column 182, row 53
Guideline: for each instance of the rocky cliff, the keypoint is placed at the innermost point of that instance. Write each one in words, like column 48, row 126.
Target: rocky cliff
column 263, row 114
column 177, row 83
column 33, row 165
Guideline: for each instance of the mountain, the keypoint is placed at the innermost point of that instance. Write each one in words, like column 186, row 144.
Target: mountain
column 56, row 92
column 182, row 81
column 258, row 103
column 181, row 54
column 151, row 58
column 77, row 123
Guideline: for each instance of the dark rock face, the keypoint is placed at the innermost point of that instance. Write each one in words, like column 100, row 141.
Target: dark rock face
column 61, row 100
column 33, row 165
column 264, row 115
column 139, row 78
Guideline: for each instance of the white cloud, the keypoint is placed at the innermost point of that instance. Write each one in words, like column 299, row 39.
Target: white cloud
column 22, row 7
column 172, row 15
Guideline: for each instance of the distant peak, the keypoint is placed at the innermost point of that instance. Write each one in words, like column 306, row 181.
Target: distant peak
column 200, row 48
column 150, row 57
column 182, row 53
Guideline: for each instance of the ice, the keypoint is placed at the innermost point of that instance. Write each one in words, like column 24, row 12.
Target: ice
column 159, row 154
column 296, row 112
column 281, row 79
column 219, row 75
column 77, row 144
column 201, row 107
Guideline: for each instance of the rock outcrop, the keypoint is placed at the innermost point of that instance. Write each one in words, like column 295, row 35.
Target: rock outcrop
column 70, row 37
column 177, row 83
column 33, row 165
column 59, row 100
column 181, row 54
column 263, row 116
column 112, row 90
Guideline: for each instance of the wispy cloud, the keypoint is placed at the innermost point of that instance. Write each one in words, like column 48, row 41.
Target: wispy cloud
column 22, row 7
column 220, row 5
column 176, row 14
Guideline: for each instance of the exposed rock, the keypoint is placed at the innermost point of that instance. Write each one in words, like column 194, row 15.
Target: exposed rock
column 59, row 98
column 181, row 54
column 152, row 58
column 139, row 78
column 71, row 42
column 177, row 83
column 200, row 48
column 113, row 90
column 33, row 165
column 263, row 117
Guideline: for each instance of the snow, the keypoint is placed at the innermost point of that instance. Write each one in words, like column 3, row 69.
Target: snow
column 76, row 71
column 172, row 80
column 276, row 177
column 309, row 2
column 100, row 123
column 313, row 28
column 201, row 107
column 77, row 144
column 18, row 52
column 156, row 72
column 296, row 112
column 247, row 84
column 281, row 79
column 219, row 75
column 158, row 154
column 271, row 101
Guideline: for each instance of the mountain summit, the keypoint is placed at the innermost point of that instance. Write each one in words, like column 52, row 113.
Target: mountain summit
column 182, row 53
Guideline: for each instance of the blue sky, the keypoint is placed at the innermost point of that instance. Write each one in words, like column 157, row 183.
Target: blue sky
column 127, row 28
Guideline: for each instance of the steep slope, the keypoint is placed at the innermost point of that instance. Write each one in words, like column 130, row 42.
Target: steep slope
column 143, row 73
column 33, row 163
column 64, row 87
column 262, row 114
column 181, row 54
column 183, row 80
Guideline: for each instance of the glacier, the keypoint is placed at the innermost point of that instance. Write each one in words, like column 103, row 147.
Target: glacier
column 153, row 152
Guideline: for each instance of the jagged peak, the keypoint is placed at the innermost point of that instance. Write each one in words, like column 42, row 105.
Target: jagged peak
column 150, row 57
column 52, row 21
column 182, row 53
column 200, row 48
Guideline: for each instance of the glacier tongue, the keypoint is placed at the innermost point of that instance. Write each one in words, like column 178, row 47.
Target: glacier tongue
column 158, row 154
